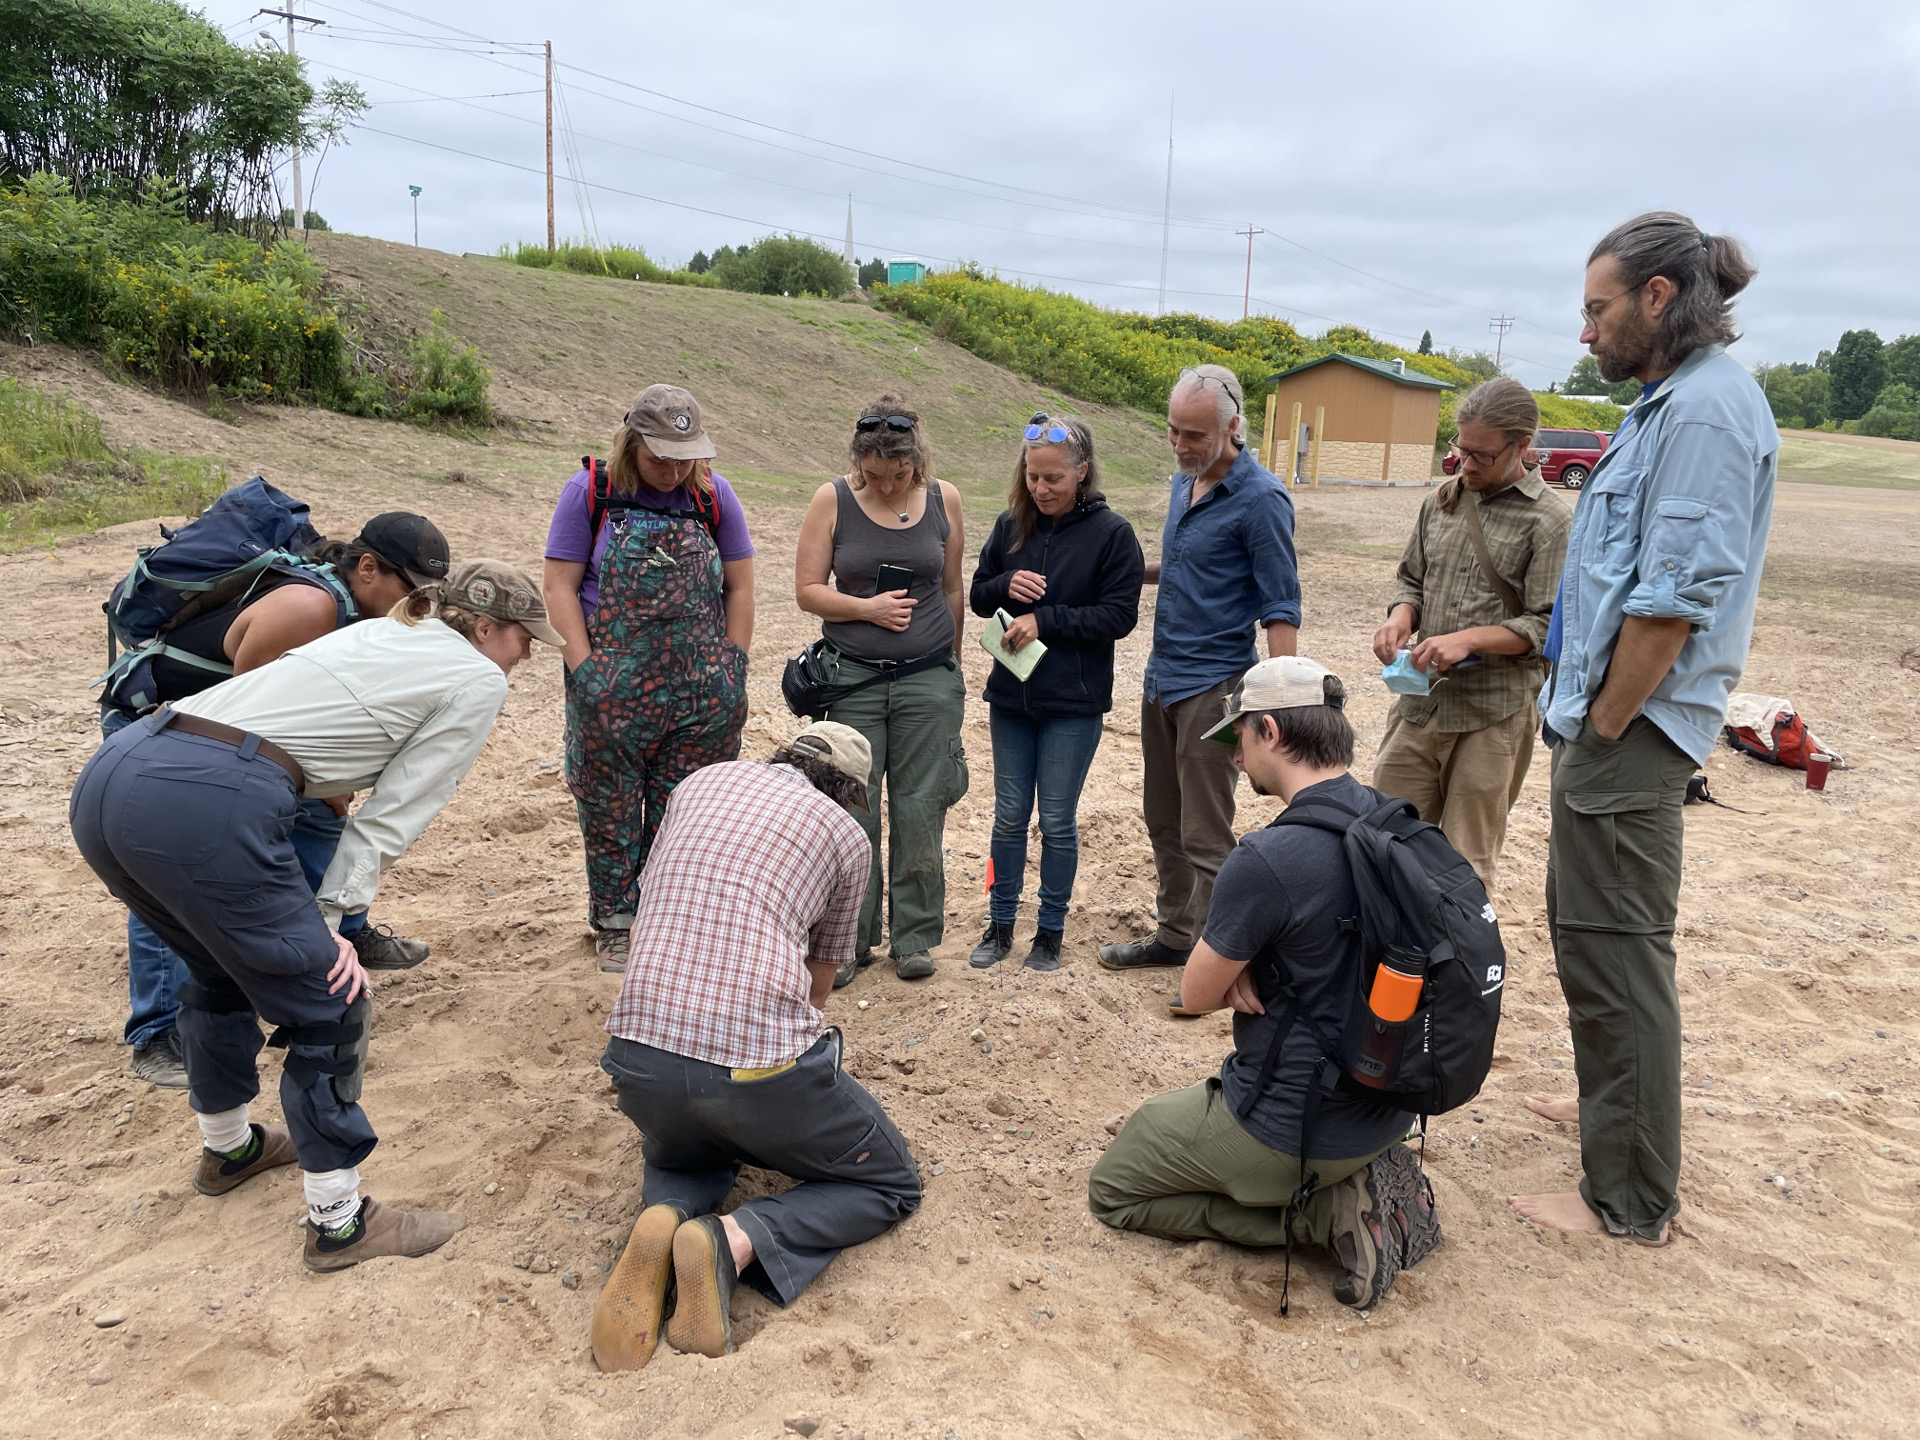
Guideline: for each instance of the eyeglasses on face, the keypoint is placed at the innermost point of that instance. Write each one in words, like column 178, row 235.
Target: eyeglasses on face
column 1213, row 380
column 1483, row 457
column 1054, row 433
column 867, row 424
column 1591, row 313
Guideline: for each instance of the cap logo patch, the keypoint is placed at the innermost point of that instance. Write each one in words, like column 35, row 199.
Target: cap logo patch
column 481, row 592
column 682, row 421
column 519, row 602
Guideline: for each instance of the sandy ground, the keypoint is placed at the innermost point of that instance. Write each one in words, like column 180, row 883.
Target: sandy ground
column 1001, row 1309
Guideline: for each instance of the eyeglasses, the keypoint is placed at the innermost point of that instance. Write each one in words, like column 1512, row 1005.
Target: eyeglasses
column 1216, row 380
column 1482, row 457
column 867, row 424
column 1052, row 433
column 1592, row 313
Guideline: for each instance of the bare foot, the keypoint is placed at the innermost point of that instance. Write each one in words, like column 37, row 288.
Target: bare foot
column 1563, row 1108
column 1558, row 1210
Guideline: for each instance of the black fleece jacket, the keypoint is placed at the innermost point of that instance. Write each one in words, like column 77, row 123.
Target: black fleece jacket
column 1094, row 569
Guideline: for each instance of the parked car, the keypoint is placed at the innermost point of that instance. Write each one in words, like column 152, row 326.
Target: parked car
column 1567, row 457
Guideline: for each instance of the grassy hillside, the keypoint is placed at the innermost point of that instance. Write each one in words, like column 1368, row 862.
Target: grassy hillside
column 779, row 380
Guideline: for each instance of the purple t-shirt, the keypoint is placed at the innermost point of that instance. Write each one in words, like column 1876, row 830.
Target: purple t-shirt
column 571, row 534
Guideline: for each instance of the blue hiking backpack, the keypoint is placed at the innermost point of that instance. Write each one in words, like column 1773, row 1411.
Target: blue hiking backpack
column 251, row 532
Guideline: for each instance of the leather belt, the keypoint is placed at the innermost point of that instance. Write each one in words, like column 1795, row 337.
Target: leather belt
column 214, row 730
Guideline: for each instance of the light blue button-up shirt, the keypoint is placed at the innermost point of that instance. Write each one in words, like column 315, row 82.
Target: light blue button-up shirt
column 1672, row 524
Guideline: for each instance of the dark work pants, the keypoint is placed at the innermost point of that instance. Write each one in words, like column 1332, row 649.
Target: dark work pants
column 194, row 837
column 1187, row 796
column 1613, row 892
column 811, row 1122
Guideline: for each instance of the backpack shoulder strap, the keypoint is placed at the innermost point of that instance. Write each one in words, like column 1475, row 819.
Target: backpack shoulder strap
column 706, row 509
column 599, row 495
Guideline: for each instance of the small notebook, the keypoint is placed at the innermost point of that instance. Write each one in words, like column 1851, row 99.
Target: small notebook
column 993, row 641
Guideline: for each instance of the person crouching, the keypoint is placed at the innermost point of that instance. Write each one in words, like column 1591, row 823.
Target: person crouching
column 187, row 815
column 750, row 901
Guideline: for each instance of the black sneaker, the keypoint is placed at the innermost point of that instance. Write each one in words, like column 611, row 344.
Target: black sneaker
column 1140, row 955
column 1045, row 954
column 993, row 946
column 159, row 1061
column 843, row 975
column 380, row 949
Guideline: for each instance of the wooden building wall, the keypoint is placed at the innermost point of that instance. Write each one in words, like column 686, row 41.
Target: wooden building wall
column 1375, row 429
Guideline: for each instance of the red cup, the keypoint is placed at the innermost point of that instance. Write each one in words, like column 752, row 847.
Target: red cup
column 1817, row 767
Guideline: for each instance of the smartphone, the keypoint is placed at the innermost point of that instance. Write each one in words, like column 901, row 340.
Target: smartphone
column 891, row 578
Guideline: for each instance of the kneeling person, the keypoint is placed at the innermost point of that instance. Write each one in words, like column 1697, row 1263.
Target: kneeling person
column 749, row 902
column 188, row 814
column 1222, row 1160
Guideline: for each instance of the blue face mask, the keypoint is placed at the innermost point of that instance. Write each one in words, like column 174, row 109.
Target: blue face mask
column 1403, row 679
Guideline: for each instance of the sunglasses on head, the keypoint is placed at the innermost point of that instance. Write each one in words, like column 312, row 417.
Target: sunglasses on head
column 1225, row 388
column 867, row 424
column 1052, row 433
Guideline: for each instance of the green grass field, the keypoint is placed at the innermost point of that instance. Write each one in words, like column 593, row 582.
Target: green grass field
column 1826, row 462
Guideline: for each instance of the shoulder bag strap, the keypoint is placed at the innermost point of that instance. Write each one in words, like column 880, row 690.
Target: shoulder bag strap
column 599, row 495
column 1509, row 597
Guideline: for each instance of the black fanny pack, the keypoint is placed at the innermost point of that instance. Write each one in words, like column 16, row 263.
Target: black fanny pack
column 810, row 694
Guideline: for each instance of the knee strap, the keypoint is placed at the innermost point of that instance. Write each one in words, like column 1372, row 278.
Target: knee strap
column 227, row 999
column 347, row 1039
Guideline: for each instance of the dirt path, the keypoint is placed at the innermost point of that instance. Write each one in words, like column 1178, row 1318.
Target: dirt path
column 1001, row 1309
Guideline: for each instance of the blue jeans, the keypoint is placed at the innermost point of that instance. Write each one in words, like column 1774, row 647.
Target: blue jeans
column 1050, row 757
column 155, row 974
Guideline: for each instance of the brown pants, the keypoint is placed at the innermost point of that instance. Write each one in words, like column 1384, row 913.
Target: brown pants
column 1464, row 781
column 1188, row 800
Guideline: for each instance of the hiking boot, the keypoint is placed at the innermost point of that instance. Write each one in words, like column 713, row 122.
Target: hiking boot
column 1045, row 954
column 626, row 1322
column 378, row 1230
column 217, row 1174
column 611, row 946
column 1409, row 1197
column 993, row 946
column 380, row 949
column 1140, row 955
column 843, row 976
column 703, row 1277
column 917, row 965
column 159, row 1061
column 1364, row 1239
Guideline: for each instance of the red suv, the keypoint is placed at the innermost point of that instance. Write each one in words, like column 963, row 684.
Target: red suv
column 1567, row 457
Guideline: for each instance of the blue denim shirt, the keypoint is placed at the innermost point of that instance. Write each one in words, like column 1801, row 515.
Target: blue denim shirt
column 1224, row 564
column 1672, row 524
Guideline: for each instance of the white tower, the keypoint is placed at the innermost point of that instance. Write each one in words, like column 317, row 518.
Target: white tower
column 852, row 264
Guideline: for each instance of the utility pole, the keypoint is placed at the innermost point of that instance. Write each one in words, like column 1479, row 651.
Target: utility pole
column 549, row 147
column 299, row 200
column 414, row 190
column 1246, row 294
column 1166, row 218
column 1500, row 324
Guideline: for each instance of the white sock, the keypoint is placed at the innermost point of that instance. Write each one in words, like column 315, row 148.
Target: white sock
column 333, row 1197
column 226, row 1130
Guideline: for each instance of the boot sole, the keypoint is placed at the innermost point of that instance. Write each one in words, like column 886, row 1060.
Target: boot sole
column 626, row 1322
column 700, row 1324
column 1409, row 1201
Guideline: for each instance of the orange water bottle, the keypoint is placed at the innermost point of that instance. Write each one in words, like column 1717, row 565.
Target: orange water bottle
column 1396, row 987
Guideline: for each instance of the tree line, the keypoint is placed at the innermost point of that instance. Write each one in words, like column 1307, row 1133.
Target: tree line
column 1863, row 386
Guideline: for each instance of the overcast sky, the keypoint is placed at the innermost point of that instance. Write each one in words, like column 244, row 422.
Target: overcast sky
column 1414, row 166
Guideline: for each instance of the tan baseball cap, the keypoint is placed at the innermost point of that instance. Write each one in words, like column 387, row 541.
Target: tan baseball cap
column 841, row 746
column 496, row 589
column 1286, row 682
column 668, row 419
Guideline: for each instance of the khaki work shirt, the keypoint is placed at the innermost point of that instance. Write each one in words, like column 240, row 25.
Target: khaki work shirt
column 1441, row 577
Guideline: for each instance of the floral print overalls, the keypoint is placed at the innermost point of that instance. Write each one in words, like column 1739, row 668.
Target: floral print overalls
column 662, row 693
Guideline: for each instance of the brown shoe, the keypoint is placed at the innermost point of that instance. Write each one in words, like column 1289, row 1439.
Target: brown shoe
column 704, row 1278
column 626, row 1322
column 381, row 1231
column 611, row 947
column 217, row 1174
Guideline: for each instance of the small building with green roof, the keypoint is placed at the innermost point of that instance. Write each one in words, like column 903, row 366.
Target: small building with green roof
column 1380, row 418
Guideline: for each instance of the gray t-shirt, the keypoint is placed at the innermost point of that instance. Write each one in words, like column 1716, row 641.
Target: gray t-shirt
column 1281, row 895
column 860, row 548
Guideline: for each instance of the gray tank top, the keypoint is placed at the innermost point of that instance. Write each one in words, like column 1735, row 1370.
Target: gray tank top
column 860, row 548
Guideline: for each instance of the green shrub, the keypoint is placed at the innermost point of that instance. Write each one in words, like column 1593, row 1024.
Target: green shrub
column 618, row 262
column 449, row 382
column 783, row 265
column 58, row 474
column 1894, row 414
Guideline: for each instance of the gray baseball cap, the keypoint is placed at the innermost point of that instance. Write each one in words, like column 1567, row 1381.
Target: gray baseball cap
column 1285, row 682
column 668, row 419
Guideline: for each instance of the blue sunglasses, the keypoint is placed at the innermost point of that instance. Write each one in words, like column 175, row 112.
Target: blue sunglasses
column 1040, row 429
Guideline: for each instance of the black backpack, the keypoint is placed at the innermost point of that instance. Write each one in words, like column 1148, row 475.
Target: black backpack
column 1420, row 902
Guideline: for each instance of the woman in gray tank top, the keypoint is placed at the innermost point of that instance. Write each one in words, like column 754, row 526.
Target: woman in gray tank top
column 889, row 520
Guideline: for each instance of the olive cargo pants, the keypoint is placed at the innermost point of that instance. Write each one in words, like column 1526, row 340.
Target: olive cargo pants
column 1613, row 892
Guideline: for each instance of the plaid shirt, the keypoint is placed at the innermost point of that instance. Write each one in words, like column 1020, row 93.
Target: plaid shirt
column 753, row 874
column 1440, row 576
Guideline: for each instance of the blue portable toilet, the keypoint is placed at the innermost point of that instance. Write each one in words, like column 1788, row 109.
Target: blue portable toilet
column 905, row 271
